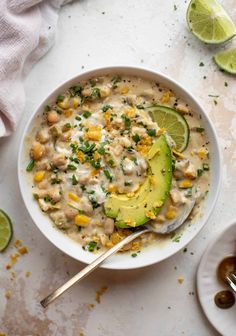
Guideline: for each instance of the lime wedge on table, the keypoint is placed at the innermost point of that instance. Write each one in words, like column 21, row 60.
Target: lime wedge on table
column 6, row 230
column 209, row 22
column 226, row 60
column 174, row 124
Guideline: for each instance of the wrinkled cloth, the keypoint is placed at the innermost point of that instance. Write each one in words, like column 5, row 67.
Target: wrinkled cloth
column 27, row 32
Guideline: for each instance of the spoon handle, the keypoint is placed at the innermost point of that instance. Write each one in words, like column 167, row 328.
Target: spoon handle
column 88, row 269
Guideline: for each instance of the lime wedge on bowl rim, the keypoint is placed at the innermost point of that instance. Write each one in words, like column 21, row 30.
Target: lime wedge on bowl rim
column 174, row 124
column 6, row 230
column 226, row 60
column 208, row 21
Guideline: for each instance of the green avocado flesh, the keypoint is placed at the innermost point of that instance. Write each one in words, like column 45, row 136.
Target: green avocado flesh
column 154, row 190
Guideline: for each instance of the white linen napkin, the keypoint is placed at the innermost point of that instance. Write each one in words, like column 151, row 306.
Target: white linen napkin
column 27, row 31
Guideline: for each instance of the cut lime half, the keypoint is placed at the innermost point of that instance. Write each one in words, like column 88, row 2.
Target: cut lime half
column 174, row 124
column 226, row 60
column 6, row 230
column 209, row 22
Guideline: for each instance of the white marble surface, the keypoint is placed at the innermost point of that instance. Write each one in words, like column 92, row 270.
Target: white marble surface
column 148, row 301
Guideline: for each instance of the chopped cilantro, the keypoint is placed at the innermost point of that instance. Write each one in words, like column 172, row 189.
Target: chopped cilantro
column 75, row 90
column 30, row 166
column 199, row 172
column 74, row 147
column 36, row 196
column 136, row 138
column 108, row 175
column 140, row 107
column 96, row 163
column 60, row 98
column 78, row 118
column 151, row 132
column 201, row 64
column 71, row 167
column 74, row 180
column 111, row 163
column 115, row 80
column 128, row 183
column 200, row 129
column 127, row 121
column 47, row 108
column 106, row 107
column 68, row 125
column 47, row 199
column 87, row 148
column 205, row 166
column 176, row 239
column 96, row 93
column 133, row 255
column 91, row 246
column 87, row 114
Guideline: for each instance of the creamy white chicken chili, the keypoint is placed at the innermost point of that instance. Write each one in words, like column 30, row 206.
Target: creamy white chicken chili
column 97, row 154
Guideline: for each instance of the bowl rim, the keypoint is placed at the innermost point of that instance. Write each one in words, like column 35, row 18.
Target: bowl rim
column 161, row 77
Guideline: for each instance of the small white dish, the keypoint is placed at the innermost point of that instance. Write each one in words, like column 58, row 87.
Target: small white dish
column 224, row 320
column 152, row 254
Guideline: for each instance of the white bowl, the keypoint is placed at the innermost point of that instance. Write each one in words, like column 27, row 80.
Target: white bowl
column 152, row 254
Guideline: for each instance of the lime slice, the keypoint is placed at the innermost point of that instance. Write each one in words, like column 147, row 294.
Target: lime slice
column 226, row 60
column 6, row 230
column 174, row 124
column 209, row 22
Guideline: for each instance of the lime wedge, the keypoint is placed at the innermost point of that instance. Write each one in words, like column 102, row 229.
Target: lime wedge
column 226, row 60
column 6, row 230
column 209, row 22
column 174, row 124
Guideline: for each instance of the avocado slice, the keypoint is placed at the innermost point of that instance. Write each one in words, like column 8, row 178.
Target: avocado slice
column 151, row 196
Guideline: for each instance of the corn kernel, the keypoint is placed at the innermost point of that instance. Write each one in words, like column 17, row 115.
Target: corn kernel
column 178, row 154
column 81, row 156
column 112, row 188
column 96, row 239
column 115, row 238
column 185, row 184
column 94, row 133
column 130, row 112
column 73, row 196
column 23, row 250
column 150, row 214
column 166, row 97
column 123, row 90
column 171, row 213
column 135, row 246
column 158, row 204
column 64, row 104
column 190, row 175
column 39, row 176
column 96, row 156
column 68, row 113
column 109, row 244
column 17, row 243
column 202, row 153
column 94, row 172
column 130, row 222
column 76, row 102
column 81, row 220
